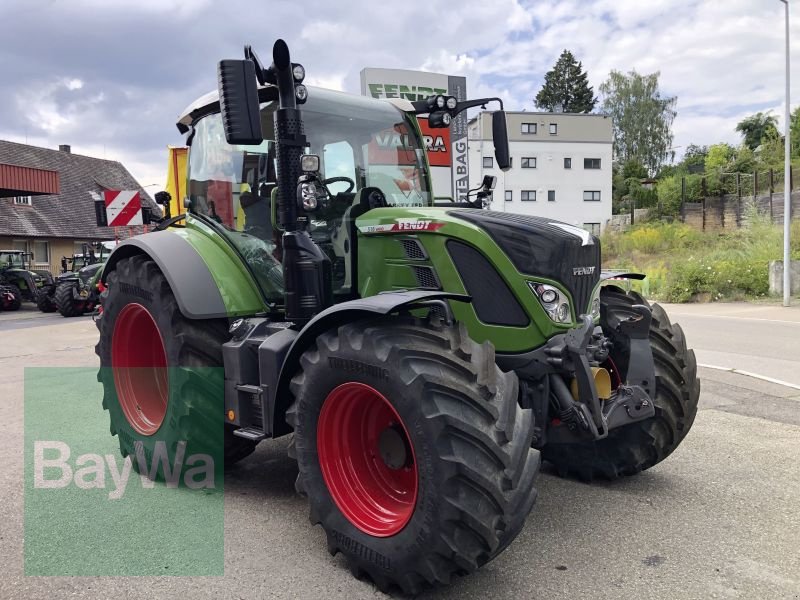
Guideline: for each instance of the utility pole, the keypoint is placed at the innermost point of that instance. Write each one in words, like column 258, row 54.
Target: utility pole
column 787, row 187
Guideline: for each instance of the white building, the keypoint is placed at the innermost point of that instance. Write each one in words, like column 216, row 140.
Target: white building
column 560, row 166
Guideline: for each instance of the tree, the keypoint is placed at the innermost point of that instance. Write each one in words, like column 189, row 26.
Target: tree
column 718, row 157
column 772, row 151
column 642, row 118
column 755, row 127
column 794, row 133
column 566, row 84
column 694, row 159
column 627, row 188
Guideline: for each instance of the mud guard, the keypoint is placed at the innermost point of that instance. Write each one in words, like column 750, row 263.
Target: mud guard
column 604, row 275
column 380, row 304
column 195, row 290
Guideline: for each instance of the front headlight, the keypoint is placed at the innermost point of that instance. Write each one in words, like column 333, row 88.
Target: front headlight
column 594, row 303
column 555, row 303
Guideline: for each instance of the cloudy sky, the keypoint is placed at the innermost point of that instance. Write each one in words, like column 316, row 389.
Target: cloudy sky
column 109, row 77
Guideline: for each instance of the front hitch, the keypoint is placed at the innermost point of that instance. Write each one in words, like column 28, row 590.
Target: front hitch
column 631, row 402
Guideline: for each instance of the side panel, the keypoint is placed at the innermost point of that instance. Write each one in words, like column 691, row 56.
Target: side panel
column 235, row 283
column 384, row 266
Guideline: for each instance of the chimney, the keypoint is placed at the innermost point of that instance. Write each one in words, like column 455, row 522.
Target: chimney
column 64, row 148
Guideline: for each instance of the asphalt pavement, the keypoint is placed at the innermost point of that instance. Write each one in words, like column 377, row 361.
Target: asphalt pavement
column 720, row 518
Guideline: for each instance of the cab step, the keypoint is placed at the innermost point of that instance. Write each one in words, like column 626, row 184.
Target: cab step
column 254, row 434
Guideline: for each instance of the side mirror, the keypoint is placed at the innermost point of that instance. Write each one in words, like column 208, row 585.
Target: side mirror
column 489, row 182
column 238, row 102
column 500, row 137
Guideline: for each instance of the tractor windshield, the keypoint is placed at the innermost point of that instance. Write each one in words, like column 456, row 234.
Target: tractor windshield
column 14, row 260
column 360, row 141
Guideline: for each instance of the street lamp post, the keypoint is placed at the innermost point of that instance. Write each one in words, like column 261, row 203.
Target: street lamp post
column 787, row 177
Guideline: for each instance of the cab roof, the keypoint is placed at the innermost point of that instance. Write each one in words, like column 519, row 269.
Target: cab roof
column 209, row 103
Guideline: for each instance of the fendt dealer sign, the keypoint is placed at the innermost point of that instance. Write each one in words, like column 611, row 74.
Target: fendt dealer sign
column 447, row 148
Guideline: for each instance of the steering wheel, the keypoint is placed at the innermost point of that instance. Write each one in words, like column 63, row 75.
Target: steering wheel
column 327, row 182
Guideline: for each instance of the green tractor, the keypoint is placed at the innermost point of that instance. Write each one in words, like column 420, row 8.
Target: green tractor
column 78, row 287
column 25, row 284
column 423, row 358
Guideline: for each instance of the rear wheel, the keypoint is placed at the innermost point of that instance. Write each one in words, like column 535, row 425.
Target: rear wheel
column 633, row 448
column 65, row 300
column 412, row 449
column 160, row 370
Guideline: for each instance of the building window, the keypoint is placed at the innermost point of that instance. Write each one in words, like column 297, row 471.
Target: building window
column 551, row 195
column 528, row 128
column 488, row 162
column 509, row 195
column 553, row 128
column 593, row 228
column 41, row 252
column 567, row 163
column 591, row 196
column 528, row 163
column 528, row 195
column 22, row 200
column 591, row 163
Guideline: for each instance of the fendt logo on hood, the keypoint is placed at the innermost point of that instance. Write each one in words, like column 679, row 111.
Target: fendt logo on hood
column 583, row 270
column 402, row 225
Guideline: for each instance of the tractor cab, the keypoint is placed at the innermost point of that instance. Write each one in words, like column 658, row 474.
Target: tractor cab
column 13, row 259
column 361, row 144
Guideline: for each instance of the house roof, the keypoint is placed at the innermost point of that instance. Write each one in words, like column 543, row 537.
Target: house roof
column 69, row 214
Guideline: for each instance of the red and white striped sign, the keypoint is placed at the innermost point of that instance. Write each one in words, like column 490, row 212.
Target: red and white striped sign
column 123, row 207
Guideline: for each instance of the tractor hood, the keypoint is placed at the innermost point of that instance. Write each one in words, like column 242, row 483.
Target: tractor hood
column 538, row 248
column 545, row 248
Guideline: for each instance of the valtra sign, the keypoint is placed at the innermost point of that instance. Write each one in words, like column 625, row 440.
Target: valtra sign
column 446, row 148
column 123, row 207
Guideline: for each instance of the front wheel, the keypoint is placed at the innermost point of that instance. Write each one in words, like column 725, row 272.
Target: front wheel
column 412, row 449
column 45, row 301
column 65, row 301
column 633, row 448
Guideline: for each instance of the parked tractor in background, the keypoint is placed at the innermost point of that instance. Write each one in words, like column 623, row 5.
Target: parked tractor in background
column 421, row 356
column 78, row 287
column 25, row 284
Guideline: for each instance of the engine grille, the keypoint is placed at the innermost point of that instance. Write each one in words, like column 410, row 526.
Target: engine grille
column 426, row 277
column 494, row 302
column 413, row 249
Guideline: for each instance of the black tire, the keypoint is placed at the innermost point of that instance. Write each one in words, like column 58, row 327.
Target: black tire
column 193, row 350
column 65, row 300
column 633, row 448
column 15, row 291
column 460, row 412
column 45, row 302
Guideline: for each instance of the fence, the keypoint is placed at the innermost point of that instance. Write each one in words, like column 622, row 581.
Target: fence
column 739, row 195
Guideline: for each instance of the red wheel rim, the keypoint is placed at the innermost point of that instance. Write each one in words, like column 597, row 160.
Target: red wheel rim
column 357, row 433
column 139, row 362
